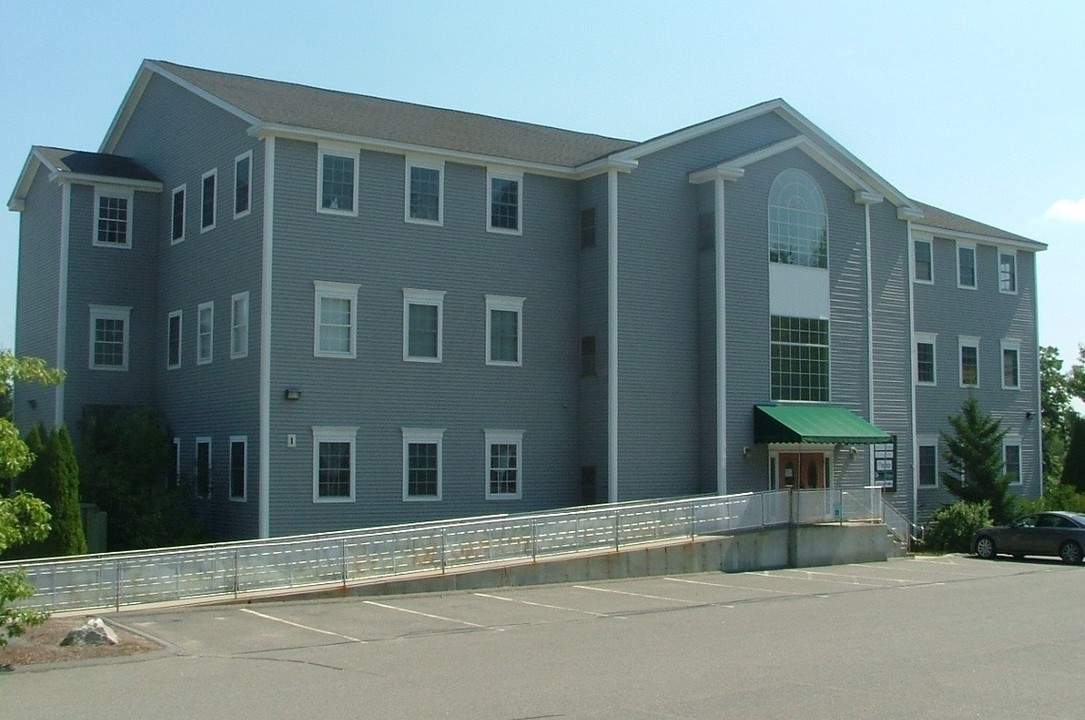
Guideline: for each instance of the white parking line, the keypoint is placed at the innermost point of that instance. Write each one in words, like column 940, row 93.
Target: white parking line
column 303, row 627
column 544, row 605
column 432, row 617
column 809, row 575
column 641, row 595
column 735, row 587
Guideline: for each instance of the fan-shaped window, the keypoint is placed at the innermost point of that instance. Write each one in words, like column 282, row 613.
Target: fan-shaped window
column 797, row 221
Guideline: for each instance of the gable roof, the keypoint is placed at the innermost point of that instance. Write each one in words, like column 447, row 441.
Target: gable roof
column 81, row 166
column 942, row 222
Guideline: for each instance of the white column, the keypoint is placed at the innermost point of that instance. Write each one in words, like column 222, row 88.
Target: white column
column 612, row 336
column 264, row 522
column 721, row 342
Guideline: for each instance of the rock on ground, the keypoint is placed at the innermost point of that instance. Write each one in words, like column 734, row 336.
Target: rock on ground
column 93, row 632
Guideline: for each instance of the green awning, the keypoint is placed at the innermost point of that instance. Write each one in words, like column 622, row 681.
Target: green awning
column 813, row 425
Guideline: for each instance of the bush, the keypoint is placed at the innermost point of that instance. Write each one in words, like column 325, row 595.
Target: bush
column 1057, row 496
column 953, row 526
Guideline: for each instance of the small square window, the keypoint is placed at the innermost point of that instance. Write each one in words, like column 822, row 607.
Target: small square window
column 1007, row 272
column 177, row 229
column 109, row 337
column 243, row 185
column 966, row 266
column 504, row 462
column 338, row 174
column 113, row 217
column 505, row 202
column 173, row 340
column 208, row 193
column 422, row 325
column 422, row 463
column 205, row 333
column 424, row 190
column 923, row 259
column 504, row 330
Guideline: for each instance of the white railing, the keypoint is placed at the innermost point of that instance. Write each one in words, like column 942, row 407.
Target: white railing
column 237, row 568
column 901, row 527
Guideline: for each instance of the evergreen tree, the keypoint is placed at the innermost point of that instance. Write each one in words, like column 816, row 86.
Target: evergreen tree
column 54, row 478
column 1073, row 469
column 973, row 456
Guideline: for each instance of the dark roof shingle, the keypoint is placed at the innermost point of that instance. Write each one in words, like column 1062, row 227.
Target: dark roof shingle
column 92, row 163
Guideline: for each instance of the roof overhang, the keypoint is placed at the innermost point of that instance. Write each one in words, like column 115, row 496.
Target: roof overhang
column 37, row 160
column 813, row 425
column 931, row 230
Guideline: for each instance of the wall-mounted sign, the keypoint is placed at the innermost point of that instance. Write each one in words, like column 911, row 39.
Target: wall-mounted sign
column 885, row 465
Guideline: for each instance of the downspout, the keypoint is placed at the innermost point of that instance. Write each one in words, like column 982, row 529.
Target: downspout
column 612, row 335
column 62, row 296
column 911, row 371
column 264, row 522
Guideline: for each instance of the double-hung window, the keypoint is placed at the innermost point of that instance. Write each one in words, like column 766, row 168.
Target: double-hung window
column 1011, row 370
column 113, row 217
column 238, row 466
column 1011, row 458
column 109, row 337
column 925, row 359
column 923, row 261
column 337, row 186
column 205, row 333
column 1007, row 272
column 504, row 463
column 177, row 217
column 423, row 312
column 928, row 462
column 422, row 463
column 242, row 184
column 504, row 330
column 799, row 358
column 335, row 319
column 966, row 266
column 239, row 325
column 505, row 202
column 173, row 340
column 203, row 467
column 208, row 194
column 425, row 182
column 333, row 463
column 969, row 349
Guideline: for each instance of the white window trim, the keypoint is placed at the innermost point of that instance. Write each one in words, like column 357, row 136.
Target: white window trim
column 1004, row 345
column 214, row 172
column 505, row 302
column 243, row 497
column 200, row 360
column 210, row 467
column 433, row 298
column 110, row 312
column 236, row 353
column 341, row 291
column 925, row 440
column 413, row 161
column 180, row 315
column 424, row 435
column 499, row 174
column 505, row 437
column 975, row 265
column 964, row 341
column 325, row 433
column 930, row 243
column 248, row 206
column 344, row 151
column 932, row 340
column 112, row 191
column 1014, row 440
column 998, row 258
column 183, row 190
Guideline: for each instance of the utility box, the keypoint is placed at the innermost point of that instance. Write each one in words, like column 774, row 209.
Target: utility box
column 94, row 527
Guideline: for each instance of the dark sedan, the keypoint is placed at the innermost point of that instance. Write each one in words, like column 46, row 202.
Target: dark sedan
column 1048, row 533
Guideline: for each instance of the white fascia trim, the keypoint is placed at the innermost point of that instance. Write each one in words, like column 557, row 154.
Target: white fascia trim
column 98, row 180
column 718, row 172
column 910, row 213
column 62, row 297
column 264, row 446
column 34, row 160
column 967, row 237
column 603, row 165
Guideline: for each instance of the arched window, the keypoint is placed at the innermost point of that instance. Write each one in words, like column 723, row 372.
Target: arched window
column 797, row 221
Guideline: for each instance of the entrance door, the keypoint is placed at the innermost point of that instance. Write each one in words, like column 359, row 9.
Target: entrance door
column 804, row 471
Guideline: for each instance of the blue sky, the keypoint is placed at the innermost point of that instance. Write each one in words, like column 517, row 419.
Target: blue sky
column 976, row 107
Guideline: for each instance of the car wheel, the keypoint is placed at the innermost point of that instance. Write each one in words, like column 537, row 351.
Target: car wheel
column 985, row 548
column 1070, row 552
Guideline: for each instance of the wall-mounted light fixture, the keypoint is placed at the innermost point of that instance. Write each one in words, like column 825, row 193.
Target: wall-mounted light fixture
column 853, row 450
column 292, row 394
column 32, row 403
column 745, row 451
column 1029, row 414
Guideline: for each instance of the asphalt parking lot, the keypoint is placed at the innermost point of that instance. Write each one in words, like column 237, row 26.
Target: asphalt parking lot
column 946, row 637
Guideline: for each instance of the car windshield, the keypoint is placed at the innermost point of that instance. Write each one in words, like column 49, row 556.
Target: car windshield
column 1077, row 518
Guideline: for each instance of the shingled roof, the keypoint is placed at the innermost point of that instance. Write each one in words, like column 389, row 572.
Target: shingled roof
column 937, row 218
column 80, row 162
column 331, row 111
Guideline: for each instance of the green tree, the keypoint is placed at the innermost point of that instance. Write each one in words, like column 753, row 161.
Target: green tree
column 1073, row 470
column 23, row 517
column 126, row 465
column 973, row 455
column 1056, row 413
column 54, row 478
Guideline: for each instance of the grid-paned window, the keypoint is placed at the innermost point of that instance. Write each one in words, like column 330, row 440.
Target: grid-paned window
column 335, row 319
column 109, row 337
column 504, row 464
column 924, row 359
column 113, row 218
column 504, row 330
column 338, row 182
column 239, row 325
column 243, row 184
column 1011, row 460
column 422, row 464
column 333, row 464
column 203, row 467
column 424, row 193
column 208, row 193
column 1007, row 271
column 798, row 223
column 587, row 228
column 799, row 358
column 238, row 470
column 422, row 320
column 928, row 465
column 205, row 333
column 970, row 362
column 924, row 267
column 1011, row 373
column 505, row 203
column 966, row 266
column 173, row 340
column 177, row 231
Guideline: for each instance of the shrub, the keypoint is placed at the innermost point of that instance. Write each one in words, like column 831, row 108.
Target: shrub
column 953, row 526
